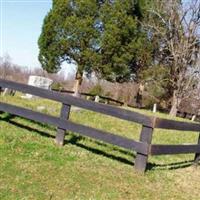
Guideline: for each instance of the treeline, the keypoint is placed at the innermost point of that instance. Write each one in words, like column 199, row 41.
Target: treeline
column 12, row 71
column 154, row 43
column 125, row 92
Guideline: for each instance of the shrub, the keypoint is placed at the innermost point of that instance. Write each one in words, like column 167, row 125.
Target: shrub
column 97, row 90
column 57, row 86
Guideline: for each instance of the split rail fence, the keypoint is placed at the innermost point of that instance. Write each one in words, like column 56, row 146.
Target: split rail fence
column 143, row 148
column 106, row 100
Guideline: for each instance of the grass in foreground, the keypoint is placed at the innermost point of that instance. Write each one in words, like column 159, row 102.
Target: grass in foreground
column 33, row 167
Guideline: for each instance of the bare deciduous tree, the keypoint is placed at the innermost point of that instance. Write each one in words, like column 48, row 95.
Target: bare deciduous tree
column 5, row 65
column 176, row 27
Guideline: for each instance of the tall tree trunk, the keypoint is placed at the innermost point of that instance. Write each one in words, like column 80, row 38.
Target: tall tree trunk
column 175, row 104
column 78, row 81
column 139, row 96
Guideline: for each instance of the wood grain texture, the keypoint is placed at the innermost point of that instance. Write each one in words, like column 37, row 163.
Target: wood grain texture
column 142, row 159
column 174, row 149
column 64, row 114
column 176, row 125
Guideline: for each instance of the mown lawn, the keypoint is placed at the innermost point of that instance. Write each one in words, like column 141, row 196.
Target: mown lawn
column 33, row 167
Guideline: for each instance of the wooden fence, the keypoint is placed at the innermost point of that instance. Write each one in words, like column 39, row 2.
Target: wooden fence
column 107, row 100
column 144, row 148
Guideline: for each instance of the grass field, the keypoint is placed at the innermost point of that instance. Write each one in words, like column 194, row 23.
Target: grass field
column 33, row 167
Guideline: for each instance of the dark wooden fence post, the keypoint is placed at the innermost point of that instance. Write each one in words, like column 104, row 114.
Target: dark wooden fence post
column 64, row 114
column 142, row 159
column 197, row 155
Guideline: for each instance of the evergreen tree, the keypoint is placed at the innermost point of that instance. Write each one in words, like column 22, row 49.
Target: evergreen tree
column 125, row 48
column 103, row 36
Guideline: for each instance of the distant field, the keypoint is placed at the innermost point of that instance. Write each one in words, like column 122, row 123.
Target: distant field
column 33, row 167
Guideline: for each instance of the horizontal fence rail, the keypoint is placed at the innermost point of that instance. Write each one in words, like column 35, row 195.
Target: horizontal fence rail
column 71, row 126
column 174, row 149
column 90, row 95
column 175, row 125
column 143, row 147
column 82, row 103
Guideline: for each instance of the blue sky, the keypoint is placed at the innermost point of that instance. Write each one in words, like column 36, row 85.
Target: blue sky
column 20, row 26
column 21, row 22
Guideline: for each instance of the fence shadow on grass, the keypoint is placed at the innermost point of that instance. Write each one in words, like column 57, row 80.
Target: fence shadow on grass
column 170, row 166
column 143, row 147
column 74, row 140
column 77, row 139
column 9, row 119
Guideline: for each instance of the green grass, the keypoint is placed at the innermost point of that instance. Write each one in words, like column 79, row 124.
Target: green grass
column 33, row 167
